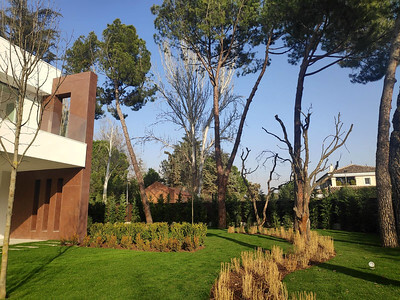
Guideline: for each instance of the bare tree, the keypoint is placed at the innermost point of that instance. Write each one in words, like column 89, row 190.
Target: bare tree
column 309, row 178
column 250, row 191
column 111, row 133
column 21, row 60
column 188, row 96
column 221, row 33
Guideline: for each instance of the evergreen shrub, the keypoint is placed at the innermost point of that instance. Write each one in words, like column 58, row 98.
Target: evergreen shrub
column 156, row 236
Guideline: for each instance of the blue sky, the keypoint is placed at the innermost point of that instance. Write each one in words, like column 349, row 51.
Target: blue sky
column 329, row 93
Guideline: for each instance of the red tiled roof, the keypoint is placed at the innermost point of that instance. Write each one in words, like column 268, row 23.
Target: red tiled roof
column 355, row 169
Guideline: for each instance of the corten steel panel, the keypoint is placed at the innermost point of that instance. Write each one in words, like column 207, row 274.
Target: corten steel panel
column 51, row 118
column 75, row 192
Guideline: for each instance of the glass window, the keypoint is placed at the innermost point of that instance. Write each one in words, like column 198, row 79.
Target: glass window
column 367, row 180
column 8, row 98
column 66, row 102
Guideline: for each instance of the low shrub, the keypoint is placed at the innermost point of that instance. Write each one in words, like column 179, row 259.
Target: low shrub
column 156, row 237
column 111, row 241
column 126, row 242
column 70, row 241
column 86, row 241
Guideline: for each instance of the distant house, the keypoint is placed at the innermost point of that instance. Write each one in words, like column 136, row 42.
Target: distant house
column 157, row 190
column 351, row 175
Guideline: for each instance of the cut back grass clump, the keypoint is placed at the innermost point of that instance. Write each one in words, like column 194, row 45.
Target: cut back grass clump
column 259, row 274
column 141, row 236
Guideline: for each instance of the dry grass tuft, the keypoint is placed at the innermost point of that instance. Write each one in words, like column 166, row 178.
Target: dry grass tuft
column 257, row 274
column 253, row 230
column 303, row 296
column 277, row 254
column 231, row 229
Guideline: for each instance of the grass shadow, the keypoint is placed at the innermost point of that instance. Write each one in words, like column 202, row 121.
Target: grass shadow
column 361, row 275
column 356, row 242
column 35, row 271
column 234, row 241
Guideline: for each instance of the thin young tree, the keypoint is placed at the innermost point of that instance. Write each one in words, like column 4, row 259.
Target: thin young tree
column 250, row 190
column 309, row 176
column 220, row 33
column 31, row 31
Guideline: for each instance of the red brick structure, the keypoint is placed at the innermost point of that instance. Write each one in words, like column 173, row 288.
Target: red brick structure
column 157, row 189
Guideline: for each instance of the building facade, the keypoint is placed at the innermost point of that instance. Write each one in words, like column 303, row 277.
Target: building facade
column 52, row 187
column 351, row 176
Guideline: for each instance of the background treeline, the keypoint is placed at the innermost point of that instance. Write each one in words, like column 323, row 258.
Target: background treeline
column 346, row 209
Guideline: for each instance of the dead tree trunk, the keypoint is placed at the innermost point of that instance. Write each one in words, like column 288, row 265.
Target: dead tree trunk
column 300, row 217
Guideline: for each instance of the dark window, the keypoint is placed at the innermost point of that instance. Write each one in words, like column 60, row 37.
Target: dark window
column 35, row 207
column 46, row 205
column 367, row 180
column 57, row 214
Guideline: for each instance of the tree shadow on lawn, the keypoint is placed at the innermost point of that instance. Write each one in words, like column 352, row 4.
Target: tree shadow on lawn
column 361, row 275
column 251, row 246
column 27, row 277
column 357, row 238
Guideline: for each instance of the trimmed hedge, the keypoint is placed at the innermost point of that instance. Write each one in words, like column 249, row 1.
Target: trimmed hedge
column 142, row 236
column 352, row 209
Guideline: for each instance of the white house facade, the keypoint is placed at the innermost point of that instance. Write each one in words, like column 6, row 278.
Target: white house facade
column 351, row 176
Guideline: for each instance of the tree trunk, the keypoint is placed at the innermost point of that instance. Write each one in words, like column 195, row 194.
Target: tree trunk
column 222, row 187
column 300, row 218
column 7, row 232
column 193, row 167
column 135, row 164
column 201, row 161
column 387, row 224
column 107, row 175
column 394, row 164
column 221, row 192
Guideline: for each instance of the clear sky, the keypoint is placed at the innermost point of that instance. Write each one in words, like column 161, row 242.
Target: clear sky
column 329, row 93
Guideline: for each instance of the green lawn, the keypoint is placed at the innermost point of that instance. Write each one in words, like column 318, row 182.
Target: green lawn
column 347, row 276
column 61, row 272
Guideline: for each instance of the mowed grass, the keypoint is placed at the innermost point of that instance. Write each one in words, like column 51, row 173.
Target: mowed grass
column 52, row 272
column 348, row 276
column 89, row 273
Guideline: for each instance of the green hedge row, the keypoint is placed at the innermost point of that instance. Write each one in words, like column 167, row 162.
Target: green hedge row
column 156, row 236
column 353, row 209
